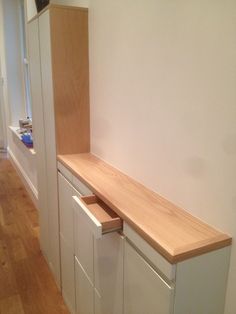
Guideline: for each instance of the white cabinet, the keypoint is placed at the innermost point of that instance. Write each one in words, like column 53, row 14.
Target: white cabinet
column 50, row 143
column 66, row 214
column 39, row 134
column 154, row 286
column 58, row 59
column 67, row 274
column 108, row 273
column 84, row 291
column 145, row 291
column 66, row 191
column 100, row 256
column 84, row 245
column 44, row 138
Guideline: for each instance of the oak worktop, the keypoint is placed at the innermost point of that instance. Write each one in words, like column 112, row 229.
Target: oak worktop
column 173, row 232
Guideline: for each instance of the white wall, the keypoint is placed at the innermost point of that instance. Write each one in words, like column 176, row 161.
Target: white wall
column 13, row 91
column 25, row 163
column 2, row 112
column 163, row 102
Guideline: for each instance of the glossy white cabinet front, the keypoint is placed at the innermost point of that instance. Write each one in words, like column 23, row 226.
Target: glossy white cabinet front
column 67, row 274
column 66, row 241
column 108, row 273
column 84, row 291
column 145, row 291
column 39, row 136
column 83, row 244
column 102, row 263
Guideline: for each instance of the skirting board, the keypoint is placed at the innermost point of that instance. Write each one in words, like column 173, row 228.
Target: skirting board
column 33, row 193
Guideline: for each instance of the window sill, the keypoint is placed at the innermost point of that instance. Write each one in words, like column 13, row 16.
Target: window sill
column 18, row 135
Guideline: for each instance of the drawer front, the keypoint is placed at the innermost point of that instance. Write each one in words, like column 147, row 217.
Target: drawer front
column 84, row 291
column 81, row 187
column 87, row 217
column 108, row 273
column 78, row 185
column 66, row 173
column 66, row 209
column 83, row 244
column 99, row 218
column 144, row 290
column 159, row 261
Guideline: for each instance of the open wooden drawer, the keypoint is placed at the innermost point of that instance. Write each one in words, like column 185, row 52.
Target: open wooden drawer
column 99, row 217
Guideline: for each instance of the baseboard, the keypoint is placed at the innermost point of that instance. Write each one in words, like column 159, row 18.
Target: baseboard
column 33, row 193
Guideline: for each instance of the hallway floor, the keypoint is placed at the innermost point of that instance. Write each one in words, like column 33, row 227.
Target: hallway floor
column 26, row 284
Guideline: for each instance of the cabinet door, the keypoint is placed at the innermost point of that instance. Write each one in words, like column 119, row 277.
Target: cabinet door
column 108, row 270
column 66, row 209
column 50, row 142
column 39, row 132
column 66, row 191
column 83, row 239
column 144, row 290
column 84, row 291
column 67, row 274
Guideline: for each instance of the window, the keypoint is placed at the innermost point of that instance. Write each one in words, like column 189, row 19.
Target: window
column 25, row 61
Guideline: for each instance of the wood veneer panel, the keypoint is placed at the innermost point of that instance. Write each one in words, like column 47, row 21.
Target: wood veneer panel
column 173, row 232
column 70, row 66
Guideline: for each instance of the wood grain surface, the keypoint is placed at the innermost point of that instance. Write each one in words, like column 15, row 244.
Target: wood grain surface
column 172, row 231
column 26, row 283
column 70, row 70
column 103, row 213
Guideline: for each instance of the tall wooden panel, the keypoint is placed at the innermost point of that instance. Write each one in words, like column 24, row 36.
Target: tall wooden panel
column 69, row 38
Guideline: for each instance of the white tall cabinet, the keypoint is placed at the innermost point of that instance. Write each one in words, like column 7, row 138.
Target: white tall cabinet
column 91, row 267
column 58, row 57
column 39, row 133
column 44, row 137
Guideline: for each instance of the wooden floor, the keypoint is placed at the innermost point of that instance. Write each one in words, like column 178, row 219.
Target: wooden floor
column 26, row 284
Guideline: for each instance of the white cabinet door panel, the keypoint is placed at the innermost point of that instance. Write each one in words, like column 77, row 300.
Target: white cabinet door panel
column 38, row 133
column 84, row 291
column 50, row 142
column 67, row 274
column 98, row 304
column 64, row 171
column 83, row 239
column 108, row 270
column 66, row 210
column 80, row 186
column 144, row 290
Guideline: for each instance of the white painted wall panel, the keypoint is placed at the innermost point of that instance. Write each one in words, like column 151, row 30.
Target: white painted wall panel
column 163, row 102
column 50, row 142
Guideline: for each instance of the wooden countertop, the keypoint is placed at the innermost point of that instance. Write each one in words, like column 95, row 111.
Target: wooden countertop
column 173, row 232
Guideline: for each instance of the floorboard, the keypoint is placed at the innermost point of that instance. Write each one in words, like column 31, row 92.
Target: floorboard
column 26, row 283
